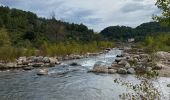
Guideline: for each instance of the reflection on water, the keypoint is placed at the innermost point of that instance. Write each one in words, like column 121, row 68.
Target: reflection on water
column 66, row 82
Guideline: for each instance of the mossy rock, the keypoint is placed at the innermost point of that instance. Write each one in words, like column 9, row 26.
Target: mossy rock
column 168, row 85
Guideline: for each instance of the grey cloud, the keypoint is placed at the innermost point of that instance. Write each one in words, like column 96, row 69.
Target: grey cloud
column 132, row 7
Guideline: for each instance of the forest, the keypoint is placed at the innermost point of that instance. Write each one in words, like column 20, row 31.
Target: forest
column 23, row 33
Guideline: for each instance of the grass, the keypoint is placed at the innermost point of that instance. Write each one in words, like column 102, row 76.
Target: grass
column 157, row 43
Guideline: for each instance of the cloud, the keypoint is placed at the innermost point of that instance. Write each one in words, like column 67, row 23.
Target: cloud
column 131, row 7
column 93, row 13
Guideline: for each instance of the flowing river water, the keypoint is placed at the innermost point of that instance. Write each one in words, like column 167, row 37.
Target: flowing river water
column 65, row 82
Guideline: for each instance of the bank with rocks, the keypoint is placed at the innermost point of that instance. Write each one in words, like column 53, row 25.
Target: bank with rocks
column 134, row 60
column 29, row 63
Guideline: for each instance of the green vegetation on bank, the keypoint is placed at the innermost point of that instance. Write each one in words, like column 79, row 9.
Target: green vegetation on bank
column 159, row 42
column 8, row 52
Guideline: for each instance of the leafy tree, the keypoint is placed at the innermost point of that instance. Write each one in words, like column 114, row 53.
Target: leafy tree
column 164, row 5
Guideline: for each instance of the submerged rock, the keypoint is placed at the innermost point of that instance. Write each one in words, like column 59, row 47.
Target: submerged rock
column 42, row 72
column 74, row 64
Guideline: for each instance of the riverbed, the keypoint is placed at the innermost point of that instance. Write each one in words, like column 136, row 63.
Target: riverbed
column 65, row 82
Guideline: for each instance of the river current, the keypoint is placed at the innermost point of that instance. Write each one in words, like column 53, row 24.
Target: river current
column 65, row 82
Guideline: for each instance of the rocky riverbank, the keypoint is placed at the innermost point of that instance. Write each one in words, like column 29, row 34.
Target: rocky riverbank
column 29, row 63
column 133, row 60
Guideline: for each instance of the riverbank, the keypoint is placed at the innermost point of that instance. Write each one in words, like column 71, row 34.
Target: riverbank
column 29, row 63
column 137, row 61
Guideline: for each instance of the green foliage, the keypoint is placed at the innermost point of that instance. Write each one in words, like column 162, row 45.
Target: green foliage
column 9, row 53
column 157, row 43
column 4, row 38
column 122, row 33
column 164, row 5
column 72, row 47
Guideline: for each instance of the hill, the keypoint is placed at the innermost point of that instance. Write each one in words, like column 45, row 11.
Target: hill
column 139, row 33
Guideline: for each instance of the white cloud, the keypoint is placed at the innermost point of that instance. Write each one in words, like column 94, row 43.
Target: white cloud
column 96, row 14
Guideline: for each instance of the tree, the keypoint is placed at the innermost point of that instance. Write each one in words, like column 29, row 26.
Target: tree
column 164, row 5
column 4, row 38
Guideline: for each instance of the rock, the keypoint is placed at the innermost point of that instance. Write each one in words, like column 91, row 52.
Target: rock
column 127, row 65
column 28, row 68
column 168, row 85
column 163, row 55
column 123, row 62
column 117, row 60
column 131, row 71
column 115, row 66
column 148, row 69
column 11, row 65
column 100, row 67
column 158, row 66
column 119, row 55
column 112, row 71
column 108, row 49
column 38, row 64
column 46, row 60
column 21, row 60
column 122, row 71
column 144, row 56
column 53, row 61
column 42, row 72
column 140, row 68
column 74, row 64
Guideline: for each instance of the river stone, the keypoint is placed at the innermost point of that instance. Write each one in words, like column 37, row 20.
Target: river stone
column 74, row 64
column 53, row 60
column 163, row 55
column 100, row 67
column 127, row 65
column 42, row 72
column 131, row 71
column 112, row 71
column 46, row 60
column 158, row 66
column 38, row 64
column 122, row 71
column 28, row 68
column 123, row 62
column 117, row 60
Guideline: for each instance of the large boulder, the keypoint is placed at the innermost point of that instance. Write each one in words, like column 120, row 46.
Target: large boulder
column 100, row 67
column 122, row 71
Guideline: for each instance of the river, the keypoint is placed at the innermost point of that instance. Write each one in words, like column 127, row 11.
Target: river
column 65, row 82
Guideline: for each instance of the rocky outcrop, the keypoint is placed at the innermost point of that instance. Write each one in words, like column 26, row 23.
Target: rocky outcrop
column 28, row 63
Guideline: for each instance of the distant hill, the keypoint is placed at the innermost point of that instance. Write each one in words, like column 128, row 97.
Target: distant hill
column 26, row 26
column 139, row 33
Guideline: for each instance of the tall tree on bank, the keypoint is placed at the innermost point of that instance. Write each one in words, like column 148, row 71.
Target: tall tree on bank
column 164, row 5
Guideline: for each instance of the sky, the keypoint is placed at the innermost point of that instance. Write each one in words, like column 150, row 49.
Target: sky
column 96, row 14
